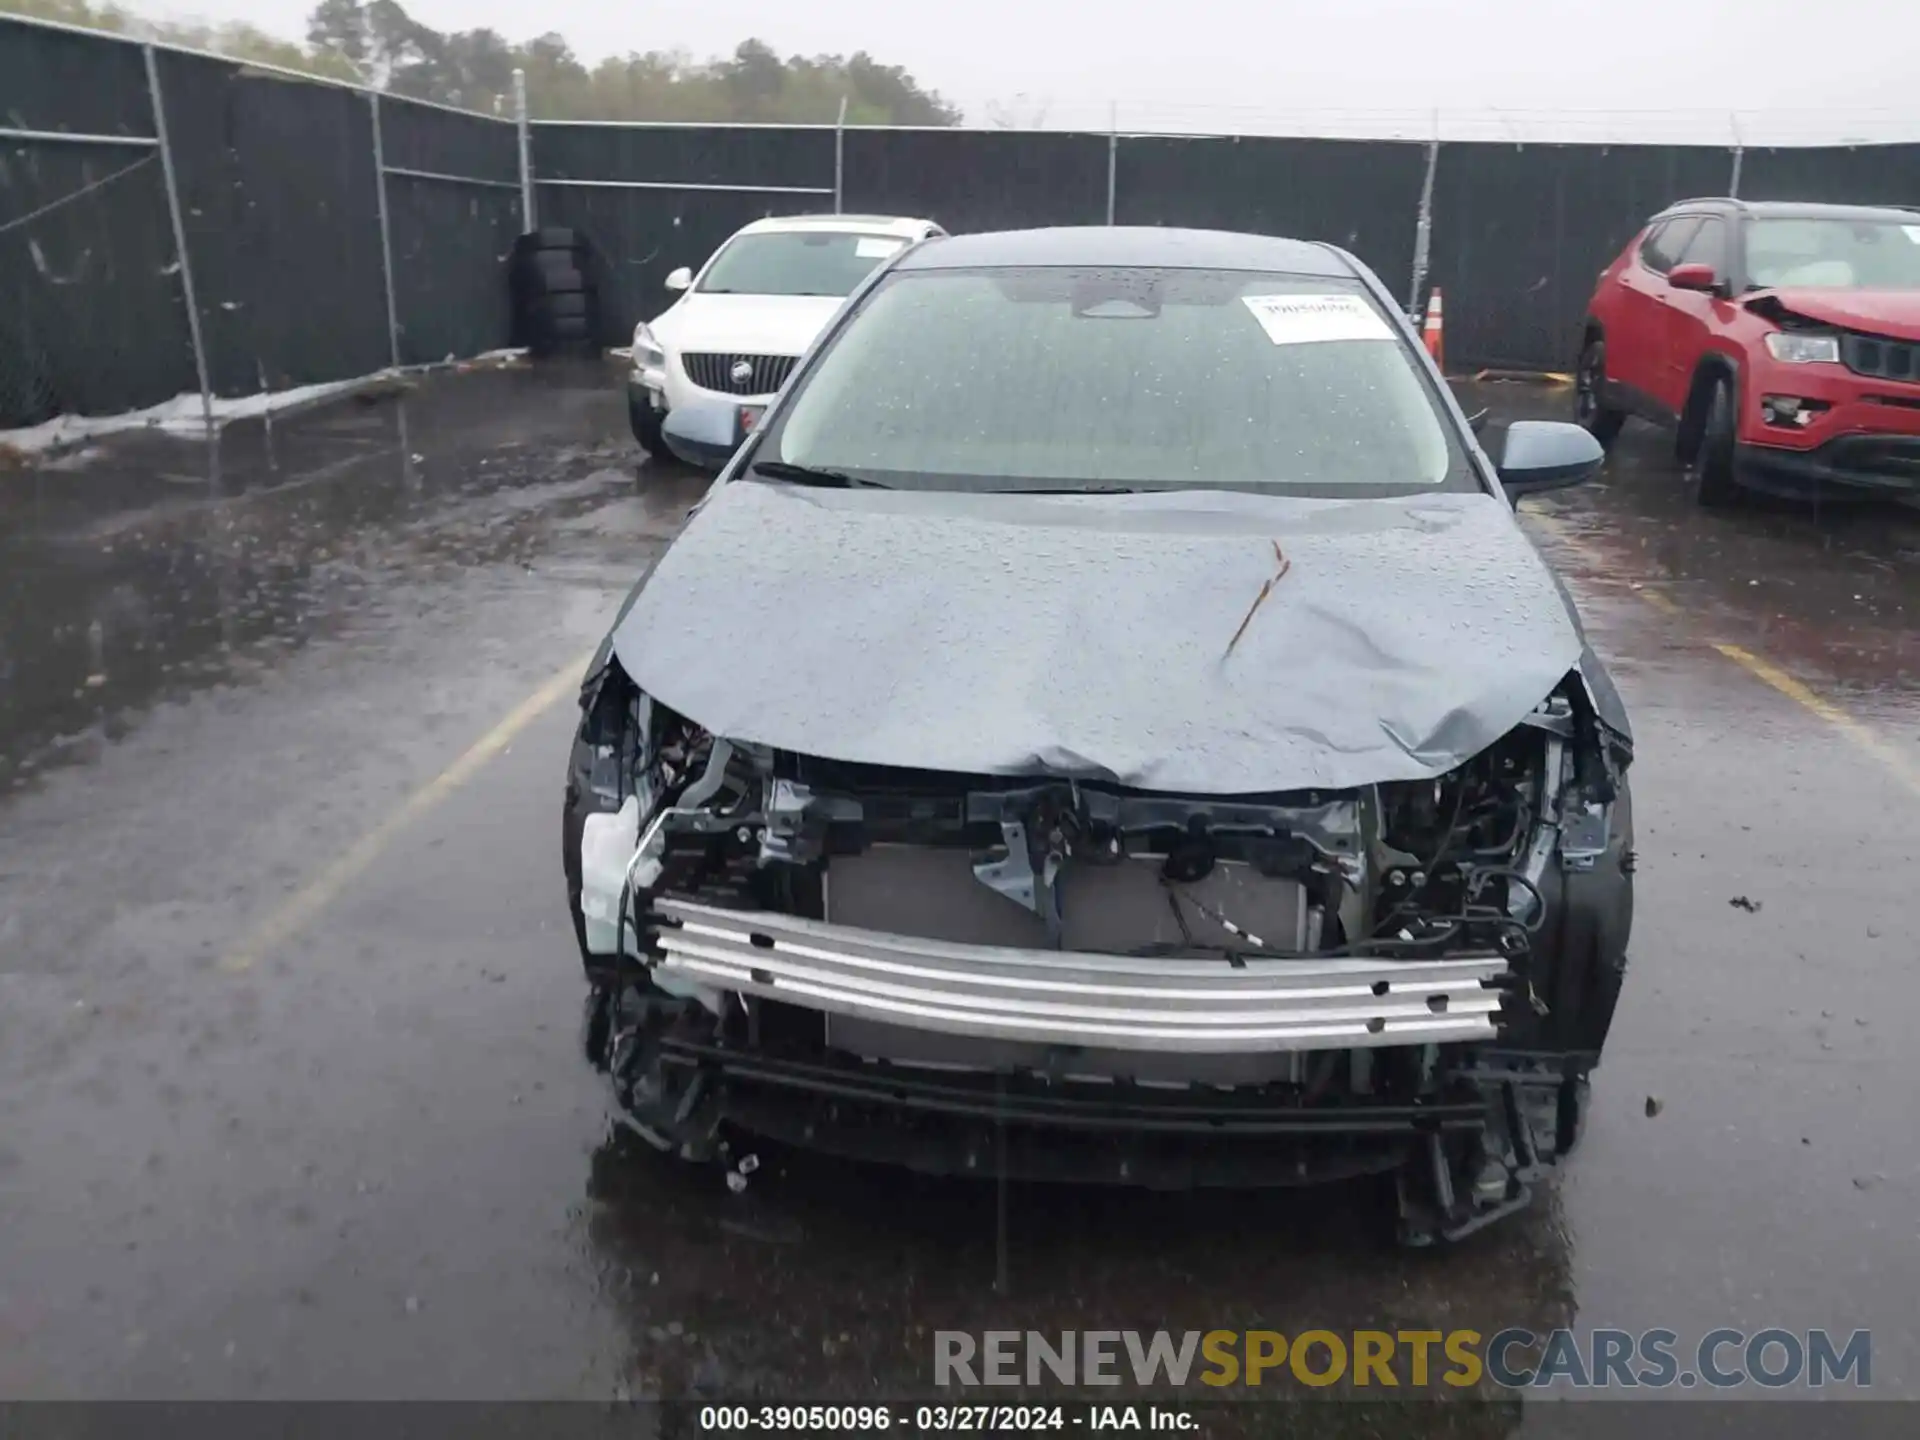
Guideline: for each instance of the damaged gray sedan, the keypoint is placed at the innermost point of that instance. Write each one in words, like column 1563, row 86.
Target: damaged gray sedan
column 1106, row 724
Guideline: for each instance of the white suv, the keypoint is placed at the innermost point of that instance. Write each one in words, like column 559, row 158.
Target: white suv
column 752, row 311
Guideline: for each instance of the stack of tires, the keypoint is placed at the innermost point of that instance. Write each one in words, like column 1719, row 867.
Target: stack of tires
column 553, row 309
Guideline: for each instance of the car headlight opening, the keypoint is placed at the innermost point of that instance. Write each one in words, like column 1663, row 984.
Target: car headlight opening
column 1794, row 349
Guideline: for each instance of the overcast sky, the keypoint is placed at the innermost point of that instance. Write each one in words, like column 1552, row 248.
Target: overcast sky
column 1599, row 69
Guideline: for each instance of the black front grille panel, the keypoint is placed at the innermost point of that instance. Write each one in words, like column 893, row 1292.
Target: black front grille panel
column 1882, row 359
column 764, row 374
column 1890, row 457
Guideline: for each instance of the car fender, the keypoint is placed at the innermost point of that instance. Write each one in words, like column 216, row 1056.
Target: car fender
column 1719, row 359
column 1582, row 954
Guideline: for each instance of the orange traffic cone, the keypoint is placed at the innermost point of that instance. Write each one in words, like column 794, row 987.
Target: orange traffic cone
column 1433, row 332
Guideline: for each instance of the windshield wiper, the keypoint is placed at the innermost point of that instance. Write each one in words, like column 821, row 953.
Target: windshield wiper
column 812, row 475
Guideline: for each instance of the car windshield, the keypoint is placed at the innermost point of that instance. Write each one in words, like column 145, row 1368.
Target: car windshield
column 797, row 262
column 1069, row 379
column 1833, row 254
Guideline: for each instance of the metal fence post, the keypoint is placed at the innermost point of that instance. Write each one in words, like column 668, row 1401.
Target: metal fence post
column 1739, row 156
column 179, row 237
column 386, row 231
column 1423, row 230
column 1113, row 153
column 840, row 157
column 526, row 149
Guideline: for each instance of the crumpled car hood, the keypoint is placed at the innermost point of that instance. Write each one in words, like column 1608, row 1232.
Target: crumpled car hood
column 1880, row 312
column 1087, row 636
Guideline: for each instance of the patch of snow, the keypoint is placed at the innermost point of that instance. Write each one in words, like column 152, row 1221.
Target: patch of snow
column 182, row 415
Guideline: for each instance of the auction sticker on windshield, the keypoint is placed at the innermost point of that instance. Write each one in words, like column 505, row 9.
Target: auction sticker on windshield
column 1306, row 319
column 875, row 247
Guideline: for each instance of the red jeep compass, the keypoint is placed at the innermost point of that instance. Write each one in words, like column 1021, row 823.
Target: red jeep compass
column 1780, row 341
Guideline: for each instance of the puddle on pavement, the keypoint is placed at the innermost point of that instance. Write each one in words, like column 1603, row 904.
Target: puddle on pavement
column 827, row 1278
column 164, row 566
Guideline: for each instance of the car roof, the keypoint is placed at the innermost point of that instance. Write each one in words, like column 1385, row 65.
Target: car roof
column 1155, row 245
column 1898, row 214
column 1797, row 210
column 906, row 227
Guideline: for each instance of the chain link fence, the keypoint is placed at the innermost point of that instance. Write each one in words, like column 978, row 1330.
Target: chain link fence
column 176, row 226
column 93, row 318
column 453, row 204
column 179, row 224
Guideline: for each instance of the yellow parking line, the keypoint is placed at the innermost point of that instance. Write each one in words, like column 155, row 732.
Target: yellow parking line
column 1896, row 760
column 1663, row 603
column 298, row 909
column 1905, row 768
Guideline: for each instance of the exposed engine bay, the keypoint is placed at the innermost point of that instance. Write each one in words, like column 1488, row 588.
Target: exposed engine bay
column 1053, row 978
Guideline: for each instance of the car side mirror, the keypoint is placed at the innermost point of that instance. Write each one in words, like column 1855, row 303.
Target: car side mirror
column 680, row 279
column 1693, row 277
column 1542, row 455
column 705, row 432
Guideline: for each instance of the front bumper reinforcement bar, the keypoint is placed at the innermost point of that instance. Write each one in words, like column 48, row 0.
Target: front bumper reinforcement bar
column 1181, row 1004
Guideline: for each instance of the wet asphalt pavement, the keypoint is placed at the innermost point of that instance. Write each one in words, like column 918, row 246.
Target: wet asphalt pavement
column 290, row 1098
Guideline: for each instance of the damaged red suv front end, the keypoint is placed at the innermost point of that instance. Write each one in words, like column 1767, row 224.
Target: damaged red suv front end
column 1780, row 342
column 1833, row 395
